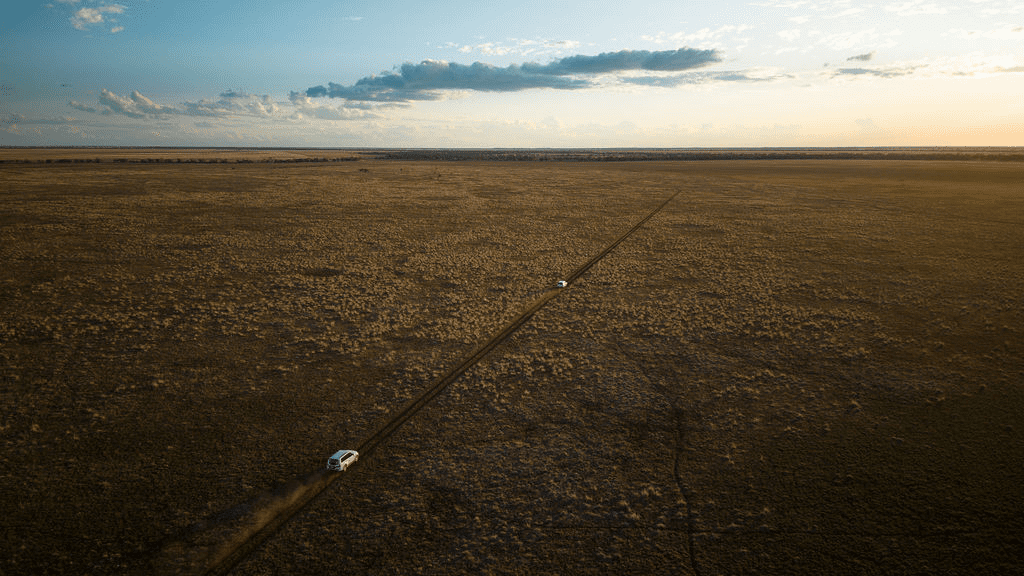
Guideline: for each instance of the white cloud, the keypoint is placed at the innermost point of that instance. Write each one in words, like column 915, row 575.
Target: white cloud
column 782, row 4
column 869, row 38
column 705, row 77
column 976, row 65
column 493, row 49
column 20, row 125
column 1007, row 32
column 134, row 106
column 917, row 7
column 147, row 106
column 862, row 57
column 992, row 7
column 996, row 7
column 829, row 6
column 842, row 8
column 119, row 105
column 86, row 17
column 703, row 38
column 82, row 107
column 847, row 12
column 234, row 103
column 116, row 29
column 15, row 118
column 306, row 107
column 517, row 46
column 789, row 35
column 968, row 66
column 231, row 104
column 877, row 71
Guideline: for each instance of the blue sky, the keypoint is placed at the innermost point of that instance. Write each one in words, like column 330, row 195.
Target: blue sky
column 530, row 74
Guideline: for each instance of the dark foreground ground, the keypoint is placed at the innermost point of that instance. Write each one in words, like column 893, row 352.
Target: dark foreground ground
column 799, row 366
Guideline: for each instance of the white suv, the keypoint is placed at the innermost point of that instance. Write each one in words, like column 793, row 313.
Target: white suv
column 342, row 459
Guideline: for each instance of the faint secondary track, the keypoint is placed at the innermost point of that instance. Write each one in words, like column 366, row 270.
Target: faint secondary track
column 216, row 547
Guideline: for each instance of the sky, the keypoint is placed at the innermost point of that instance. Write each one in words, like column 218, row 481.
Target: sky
column 534, row 73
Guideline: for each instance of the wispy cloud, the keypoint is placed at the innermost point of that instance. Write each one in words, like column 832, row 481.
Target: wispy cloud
column 229, row 104
column 703, row 38
column 430, row 79
column 975, row 65
column 870, row 37
column 135, row 106
column 15, row 118
column 830, row 8
column 20, row 125
column 782, row 3
column 518, row 47
column 969, row 66
column 888, row 72
column 862, row 57
column 233, row 103
column 917, row 7
column 82, row 107
column 1008, row 32
column 86, row 17
column 847, row 12
column 994, row 7
column 695, row 78
column 305, row 107
column 119, row 104
column 789, row 35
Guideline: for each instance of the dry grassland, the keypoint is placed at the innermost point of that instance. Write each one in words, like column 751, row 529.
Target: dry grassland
column 800, row 366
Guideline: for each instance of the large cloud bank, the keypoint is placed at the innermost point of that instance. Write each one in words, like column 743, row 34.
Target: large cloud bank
column 427, row 80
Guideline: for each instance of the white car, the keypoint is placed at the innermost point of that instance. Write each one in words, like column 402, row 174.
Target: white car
column 562, row 284
column 342, row 459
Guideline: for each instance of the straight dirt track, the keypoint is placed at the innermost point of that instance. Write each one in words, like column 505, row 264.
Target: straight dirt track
column 263, row 517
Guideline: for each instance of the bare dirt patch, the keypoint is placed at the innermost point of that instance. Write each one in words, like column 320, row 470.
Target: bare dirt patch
column 798, row 366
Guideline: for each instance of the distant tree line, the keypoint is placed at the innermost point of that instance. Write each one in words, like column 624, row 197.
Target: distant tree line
column 627, row 155
column 173, row 160
column 1013, row 155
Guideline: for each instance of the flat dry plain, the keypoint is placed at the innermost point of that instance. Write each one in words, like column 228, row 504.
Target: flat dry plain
column 798, row 366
